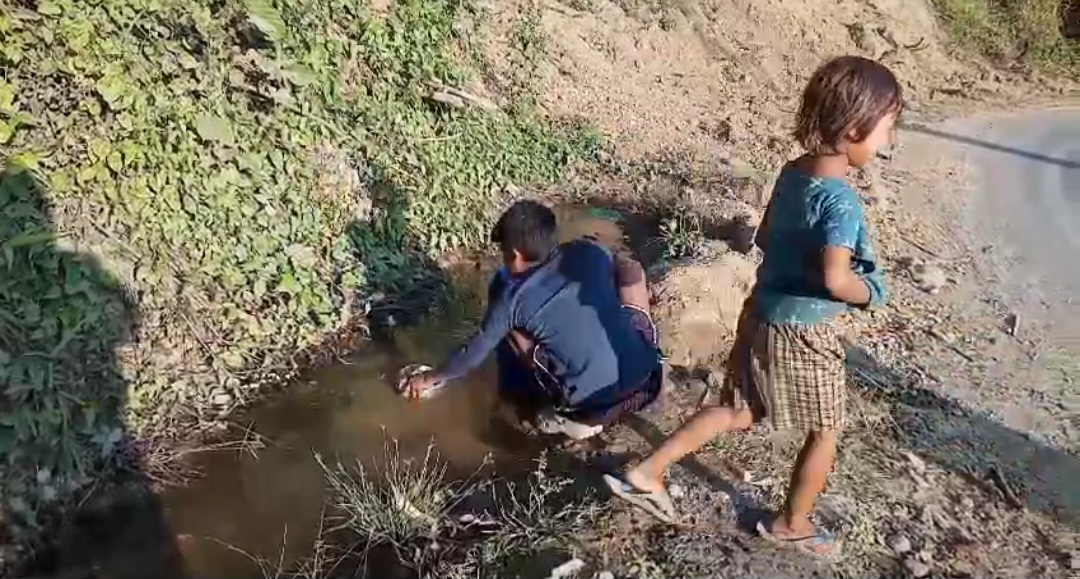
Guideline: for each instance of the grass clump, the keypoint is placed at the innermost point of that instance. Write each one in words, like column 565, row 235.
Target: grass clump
column 437, row 527
column 683, row 236
column 201, row 189
column 1014, row 30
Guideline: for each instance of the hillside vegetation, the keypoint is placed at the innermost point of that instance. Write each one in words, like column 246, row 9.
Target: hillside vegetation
column 199, row 190
column 1015, row 30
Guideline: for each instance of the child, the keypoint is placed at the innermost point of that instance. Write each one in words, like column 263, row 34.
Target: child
column 572, row 327
column 787, row 365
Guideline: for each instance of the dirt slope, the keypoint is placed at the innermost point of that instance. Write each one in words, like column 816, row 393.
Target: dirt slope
column 721, row 77
column 698, row 97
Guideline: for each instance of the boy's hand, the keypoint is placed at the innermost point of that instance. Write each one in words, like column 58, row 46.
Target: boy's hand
column 416, row 385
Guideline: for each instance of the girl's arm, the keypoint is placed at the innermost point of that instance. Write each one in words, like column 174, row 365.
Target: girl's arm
column 840, row 280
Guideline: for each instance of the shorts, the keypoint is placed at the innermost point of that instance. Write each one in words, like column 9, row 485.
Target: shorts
column 540, row 388
column 790, row 375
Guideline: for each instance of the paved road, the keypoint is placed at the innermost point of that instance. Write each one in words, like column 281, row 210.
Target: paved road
column 1027, row 196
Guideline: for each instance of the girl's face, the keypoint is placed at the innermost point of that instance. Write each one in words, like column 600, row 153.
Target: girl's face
column 859, row 153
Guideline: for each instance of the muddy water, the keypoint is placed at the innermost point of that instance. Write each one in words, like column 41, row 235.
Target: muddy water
column 274, row 499
column 270, row 504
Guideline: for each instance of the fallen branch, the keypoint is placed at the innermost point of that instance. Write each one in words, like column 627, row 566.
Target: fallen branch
column 454, row 97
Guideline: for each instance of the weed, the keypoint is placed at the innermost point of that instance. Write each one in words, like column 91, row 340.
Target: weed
column 683, row 236
column 398, row 506
column 407, row 506
column 1029, row 30
column 529, row 48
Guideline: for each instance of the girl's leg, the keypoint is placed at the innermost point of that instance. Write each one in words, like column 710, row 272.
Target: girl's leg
column 630, row 278
column 812, row 466
column 702, row 427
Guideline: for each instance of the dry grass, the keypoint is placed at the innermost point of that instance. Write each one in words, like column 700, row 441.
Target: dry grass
column 399, row 504
column 1013, row 30
column 411, row 507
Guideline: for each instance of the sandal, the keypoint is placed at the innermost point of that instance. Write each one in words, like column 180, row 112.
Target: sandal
column 656, row 503
column 808, row 545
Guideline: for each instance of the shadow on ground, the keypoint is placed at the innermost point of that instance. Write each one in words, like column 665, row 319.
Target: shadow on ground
column 62, row 319
column 966, row 140
column 1018, row 469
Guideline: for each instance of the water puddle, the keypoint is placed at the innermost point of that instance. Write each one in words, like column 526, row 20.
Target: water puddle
column 269, row 504
column 273, row 499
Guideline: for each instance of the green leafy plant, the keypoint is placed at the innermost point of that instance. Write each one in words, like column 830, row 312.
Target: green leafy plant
column 683, row 236
column 240, row 172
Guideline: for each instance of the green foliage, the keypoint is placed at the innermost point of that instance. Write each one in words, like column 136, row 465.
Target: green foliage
column 243, row 168
column 683, row 236
column 529, row 46
column 1009, row 29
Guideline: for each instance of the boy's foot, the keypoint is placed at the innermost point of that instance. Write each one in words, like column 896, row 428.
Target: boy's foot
column 550, row 422
column 817, row 543
column 656, row 501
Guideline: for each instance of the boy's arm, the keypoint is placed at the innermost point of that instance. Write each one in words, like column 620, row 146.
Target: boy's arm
column 494, row 327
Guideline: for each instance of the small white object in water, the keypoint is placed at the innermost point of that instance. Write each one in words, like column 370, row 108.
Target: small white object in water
column 567, row 569
column 412, row 370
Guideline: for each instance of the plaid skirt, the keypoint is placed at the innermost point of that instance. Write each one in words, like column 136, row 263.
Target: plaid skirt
column 789, row 375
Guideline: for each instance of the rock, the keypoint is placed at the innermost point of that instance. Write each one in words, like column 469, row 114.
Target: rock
column 223, row 399
column 918, row 464
column 617, row 447
column 567, row 569
column 1012, row 324
column 605, row 575
column 676, row 491
column 928, row 277
column 868, row 40
column 916, row 568
column 900, row 544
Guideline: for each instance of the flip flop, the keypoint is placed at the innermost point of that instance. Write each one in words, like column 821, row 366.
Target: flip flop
column 656, row 503
column 806, row 545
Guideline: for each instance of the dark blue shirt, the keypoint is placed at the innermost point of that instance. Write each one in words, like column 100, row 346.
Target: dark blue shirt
column 570, row 306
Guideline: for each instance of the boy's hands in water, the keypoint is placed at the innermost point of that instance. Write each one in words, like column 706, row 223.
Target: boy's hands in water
column 416, row 385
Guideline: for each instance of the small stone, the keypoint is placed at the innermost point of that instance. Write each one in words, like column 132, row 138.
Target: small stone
column 567, row 569
column 617, row 447
column 916, row 568
column 466, row 518
column 1012, row 324
column 917, row 464
column 222, row 399
column 605, row 575
column 868, row 40
column 929, row 277
column 967, row 504
column 676, row 491
column 900, row 544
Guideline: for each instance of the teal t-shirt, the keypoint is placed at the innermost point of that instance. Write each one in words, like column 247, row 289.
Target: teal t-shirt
column 804, row 215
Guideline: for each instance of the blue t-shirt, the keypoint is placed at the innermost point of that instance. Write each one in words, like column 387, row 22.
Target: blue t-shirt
column 570, row 306
column 804, row 215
